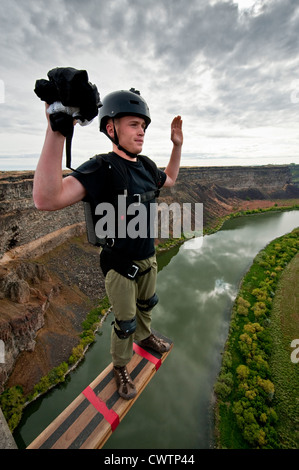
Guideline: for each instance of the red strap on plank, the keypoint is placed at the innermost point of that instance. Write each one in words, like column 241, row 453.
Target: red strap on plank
column 110, row 415
column 142, row 352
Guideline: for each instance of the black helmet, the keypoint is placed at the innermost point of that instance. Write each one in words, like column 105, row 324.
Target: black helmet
column 123, row 103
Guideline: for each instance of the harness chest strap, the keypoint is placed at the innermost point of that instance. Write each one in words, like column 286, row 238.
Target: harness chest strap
column 137, row 199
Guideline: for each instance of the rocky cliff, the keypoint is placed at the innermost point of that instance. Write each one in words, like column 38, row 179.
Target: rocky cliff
column 226, row 189
column 20, row 222
column 42, row 305
column 50, row 276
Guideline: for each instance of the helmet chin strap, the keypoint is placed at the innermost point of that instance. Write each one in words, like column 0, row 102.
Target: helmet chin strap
column 131, row 155
column 120, row 147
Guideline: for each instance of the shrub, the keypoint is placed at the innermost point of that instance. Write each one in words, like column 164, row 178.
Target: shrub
column 11, row 403
column 243, row 372
column 77, row 353
column 242, row 306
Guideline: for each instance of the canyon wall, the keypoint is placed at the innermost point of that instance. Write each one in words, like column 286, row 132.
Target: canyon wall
column 20, row 222
column 223, row 190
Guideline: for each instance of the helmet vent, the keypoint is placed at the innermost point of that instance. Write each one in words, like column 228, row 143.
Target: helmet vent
column 134, row 102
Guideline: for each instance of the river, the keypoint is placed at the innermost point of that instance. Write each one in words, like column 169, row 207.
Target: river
column 196, row 288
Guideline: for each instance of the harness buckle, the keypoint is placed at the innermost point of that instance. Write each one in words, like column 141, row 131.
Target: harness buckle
column 138, row 199
column 110, row 242
column 132, row 271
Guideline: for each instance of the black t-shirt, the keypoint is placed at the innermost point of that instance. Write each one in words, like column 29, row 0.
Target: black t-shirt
column 139, row 241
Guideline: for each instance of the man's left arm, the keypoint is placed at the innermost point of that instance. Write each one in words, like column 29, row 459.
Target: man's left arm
column 172, row 169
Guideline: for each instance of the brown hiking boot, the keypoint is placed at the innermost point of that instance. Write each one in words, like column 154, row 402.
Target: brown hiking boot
column 157, row 344
column 125, row 384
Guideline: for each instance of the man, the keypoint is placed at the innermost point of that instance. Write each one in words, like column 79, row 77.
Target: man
column 124, row 118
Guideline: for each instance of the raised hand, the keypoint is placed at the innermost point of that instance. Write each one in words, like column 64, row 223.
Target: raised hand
column 176, row 131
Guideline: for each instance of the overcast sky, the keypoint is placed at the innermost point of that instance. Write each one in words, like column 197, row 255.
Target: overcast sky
column 229, row 68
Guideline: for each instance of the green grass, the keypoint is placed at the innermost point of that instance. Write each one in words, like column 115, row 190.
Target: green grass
column 284, row 329
column 257, row 387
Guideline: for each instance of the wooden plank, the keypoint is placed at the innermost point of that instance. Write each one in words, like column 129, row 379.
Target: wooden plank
column 81, row 425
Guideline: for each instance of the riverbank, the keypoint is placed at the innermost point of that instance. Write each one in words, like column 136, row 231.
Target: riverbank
column 257, row 388
column 253, row 208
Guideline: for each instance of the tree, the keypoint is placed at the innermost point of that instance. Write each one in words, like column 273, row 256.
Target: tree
column 243, row 372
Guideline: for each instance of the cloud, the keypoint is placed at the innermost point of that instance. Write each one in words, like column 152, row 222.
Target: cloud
column 228, row 70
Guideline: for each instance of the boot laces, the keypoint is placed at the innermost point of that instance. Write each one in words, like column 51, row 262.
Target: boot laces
column 124, row 378
column 156, row 340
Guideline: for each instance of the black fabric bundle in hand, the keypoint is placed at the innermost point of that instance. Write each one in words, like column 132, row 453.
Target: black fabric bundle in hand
column 70, row 96
column 74, row 97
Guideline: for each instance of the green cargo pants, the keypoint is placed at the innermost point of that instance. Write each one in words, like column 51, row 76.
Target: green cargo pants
column 123, row 294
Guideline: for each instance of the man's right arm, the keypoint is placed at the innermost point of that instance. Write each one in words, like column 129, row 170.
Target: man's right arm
column 51, row 191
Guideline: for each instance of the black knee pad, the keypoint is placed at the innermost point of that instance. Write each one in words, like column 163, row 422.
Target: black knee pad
column 127, row 328
column 148, row 304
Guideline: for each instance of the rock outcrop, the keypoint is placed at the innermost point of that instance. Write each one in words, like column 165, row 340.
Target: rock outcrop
column 43, row 302
column 20, row 222
column 25, row 291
